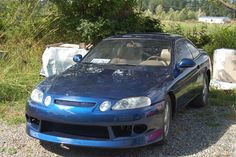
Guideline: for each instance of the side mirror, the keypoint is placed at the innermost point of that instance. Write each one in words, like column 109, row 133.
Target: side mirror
column 77, row 58
column 185, row 63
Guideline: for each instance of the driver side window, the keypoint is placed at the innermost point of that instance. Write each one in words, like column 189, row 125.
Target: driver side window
column 182, row 51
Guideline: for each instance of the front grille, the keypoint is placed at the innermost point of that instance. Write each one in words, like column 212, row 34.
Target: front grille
column 73, row 131
column 122, row 131
column 74, row 103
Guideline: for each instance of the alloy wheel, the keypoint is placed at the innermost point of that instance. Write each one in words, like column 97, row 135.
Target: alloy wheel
column 167, row 119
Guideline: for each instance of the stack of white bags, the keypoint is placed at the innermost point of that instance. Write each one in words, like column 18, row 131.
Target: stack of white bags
column 224, row 69
column 58, row 58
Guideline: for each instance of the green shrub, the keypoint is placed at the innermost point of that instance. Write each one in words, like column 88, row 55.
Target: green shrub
column 92, row 20
column 222, row 37
column 93, row 32
column 198, row 35
column 207, row 36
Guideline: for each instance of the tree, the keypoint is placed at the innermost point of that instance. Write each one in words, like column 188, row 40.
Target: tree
column 91, row 20
column 209, row 7
column 160, row 12
column 228, row 4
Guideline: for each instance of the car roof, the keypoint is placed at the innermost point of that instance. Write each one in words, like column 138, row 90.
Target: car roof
column 146, row 36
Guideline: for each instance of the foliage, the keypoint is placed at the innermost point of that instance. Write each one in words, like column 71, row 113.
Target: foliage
column 222, row 38
column 229, row 4
column 198, row 35
column 167, row 4
column 175, row 15
column 206, row 36
column 208, row 7
column 90, row 21
column 93, row 32
column 28, row 20
column 2, row 29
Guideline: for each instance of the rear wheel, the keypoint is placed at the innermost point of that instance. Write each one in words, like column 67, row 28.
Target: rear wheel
column 202, row 99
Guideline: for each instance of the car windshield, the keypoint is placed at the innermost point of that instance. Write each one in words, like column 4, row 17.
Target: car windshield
column 131, row 52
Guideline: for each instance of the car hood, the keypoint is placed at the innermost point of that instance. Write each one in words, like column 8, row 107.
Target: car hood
column 108, row 81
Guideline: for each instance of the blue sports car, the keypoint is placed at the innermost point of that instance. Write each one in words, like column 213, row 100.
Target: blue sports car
column 122, row 94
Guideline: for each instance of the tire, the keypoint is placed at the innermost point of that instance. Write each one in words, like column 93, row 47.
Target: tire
column 202, row 99
column 167, row 120
column 45, row 143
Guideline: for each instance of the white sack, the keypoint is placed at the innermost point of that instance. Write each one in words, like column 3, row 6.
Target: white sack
column 224, row 69
column 58, row 59
column 224, row 65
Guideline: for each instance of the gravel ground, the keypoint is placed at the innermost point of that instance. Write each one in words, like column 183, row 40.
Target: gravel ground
column 205, row 132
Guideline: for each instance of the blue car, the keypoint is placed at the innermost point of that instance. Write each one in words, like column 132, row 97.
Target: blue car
column 122, row 94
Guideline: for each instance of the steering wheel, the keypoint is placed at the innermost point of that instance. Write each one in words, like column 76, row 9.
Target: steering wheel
column 158, row 59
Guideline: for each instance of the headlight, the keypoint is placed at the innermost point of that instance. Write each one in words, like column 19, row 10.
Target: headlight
column 37, row 96
column 132, row 103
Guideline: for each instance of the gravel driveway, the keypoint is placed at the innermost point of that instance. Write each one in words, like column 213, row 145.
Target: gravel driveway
column 208, row 132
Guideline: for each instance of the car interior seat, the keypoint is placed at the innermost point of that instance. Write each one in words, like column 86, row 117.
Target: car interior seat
column 163, row 60
column 127, row 55
column 166, row 55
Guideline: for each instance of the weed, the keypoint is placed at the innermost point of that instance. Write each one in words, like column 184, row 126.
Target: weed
column 12, row 151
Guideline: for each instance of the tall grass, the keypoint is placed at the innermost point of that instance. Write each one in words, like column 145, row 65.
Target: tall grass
column 25, row 29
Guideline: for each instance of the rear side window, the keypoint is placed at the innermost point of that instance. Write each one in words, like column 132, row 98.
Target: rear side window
column 182, row 51
column 193, row 49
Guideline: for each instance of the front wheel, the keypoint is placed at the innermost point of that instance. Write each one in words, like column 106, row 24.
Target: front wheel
column 167, row 119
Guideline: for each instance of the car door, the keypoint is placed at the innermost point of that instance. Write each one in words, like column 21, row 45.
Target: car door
column 185, row 81
column 198, row 70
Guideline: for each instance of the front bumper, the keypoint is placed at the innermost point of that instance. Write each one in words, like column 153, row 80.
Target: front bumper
column 112, row 129
column 117, row 143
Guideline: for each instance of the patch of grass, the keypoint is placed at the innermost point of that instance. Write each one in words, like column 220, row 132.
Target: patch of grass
column 2, row 149
column 213, row 124
column 11, row 151
column 18, row 76
column 12, row 112
column 15, row 88
column 224, row 98
column 230, row 115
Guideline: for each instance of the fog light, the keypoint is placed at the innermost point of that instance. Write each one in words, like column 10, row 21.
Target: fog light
column 105, row 106
column 47, row 100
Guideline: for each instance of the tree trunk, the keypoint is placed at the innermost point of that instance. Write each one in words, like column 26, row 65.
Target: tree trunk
column 228, row 4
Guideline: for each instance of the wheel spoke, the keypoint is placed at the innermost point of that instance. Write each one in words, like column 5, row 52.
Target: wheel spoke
column 166, row 119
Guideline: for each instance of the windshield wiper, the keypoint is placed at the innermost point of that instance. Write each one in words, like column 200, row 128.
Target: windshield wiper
column 124, row 64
